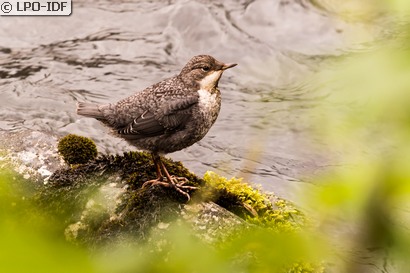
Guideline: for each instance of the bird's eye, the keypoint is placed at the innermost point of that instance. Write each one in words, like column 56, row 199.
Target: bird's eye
column 205, row 68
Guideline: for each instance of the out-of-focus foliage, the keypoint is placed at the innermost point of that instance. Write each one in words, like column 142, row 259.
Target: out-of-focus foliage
column 29, row 241
column 179, row 250
column 366, row 120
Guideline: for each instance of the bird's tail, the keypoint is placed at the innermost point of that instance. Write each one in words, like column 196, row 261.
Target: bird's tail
column 89, row 110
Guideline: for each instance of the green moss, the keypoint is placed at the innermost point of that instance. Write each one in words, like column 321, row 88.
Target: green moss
column 253, row 205
column 305, row 267
column 77, row 149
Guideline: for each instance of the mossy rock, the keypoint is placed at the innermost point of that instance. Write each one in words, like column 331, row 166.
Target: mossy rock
column 77, row 149
column 253, row 205
column 69, row 190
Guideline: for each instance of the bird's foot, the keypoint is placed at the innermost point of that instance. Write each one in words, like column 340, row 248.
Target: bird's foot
column 179, row 184
column 155, row 182
column 175, row 182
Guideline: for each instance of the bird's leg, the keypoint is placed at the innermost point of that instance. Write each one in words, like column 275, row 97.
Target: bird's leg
column 160, row 177
column 156, row 160
column 172, row 181
column 177, row 182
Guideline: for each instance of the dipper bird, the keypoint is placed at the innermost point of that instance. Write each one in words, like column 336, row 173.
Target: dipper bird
column 167, row 116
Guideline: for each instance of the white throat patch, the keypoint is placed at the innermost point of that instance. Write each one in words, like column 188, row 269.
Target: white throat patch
column 210, row 81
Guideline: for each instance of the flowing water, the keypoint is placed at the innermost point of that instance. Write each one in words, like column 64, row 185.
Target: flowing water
column 106, row 50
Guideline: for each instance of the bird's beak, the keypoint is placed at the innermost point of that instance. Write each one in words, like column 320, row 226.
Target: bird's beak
column 226, row 66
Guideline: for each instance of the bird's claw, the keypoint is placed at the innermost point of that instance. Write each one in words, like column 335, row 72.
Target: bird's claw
column 155, row 182
column 177, row 183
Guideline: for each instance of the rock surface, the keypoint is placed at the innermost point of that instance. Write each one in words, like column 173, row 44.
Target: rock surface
column 212, row 222
column 33, row 154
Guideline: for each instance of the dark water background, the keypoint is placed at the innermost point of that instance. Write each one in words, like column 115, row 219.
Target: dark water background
column 106, row 50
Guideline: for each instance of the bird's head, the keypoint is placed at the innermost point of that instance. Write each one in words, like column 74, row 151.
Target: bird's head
column 204, row 71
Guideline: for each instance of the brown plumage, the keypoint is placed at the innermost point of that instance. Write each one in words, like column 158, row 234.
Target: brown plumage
column 167, row 116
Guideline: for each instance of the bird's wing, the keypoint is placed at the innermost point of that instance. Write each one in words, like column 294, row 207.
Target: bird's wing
column 169, row 116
